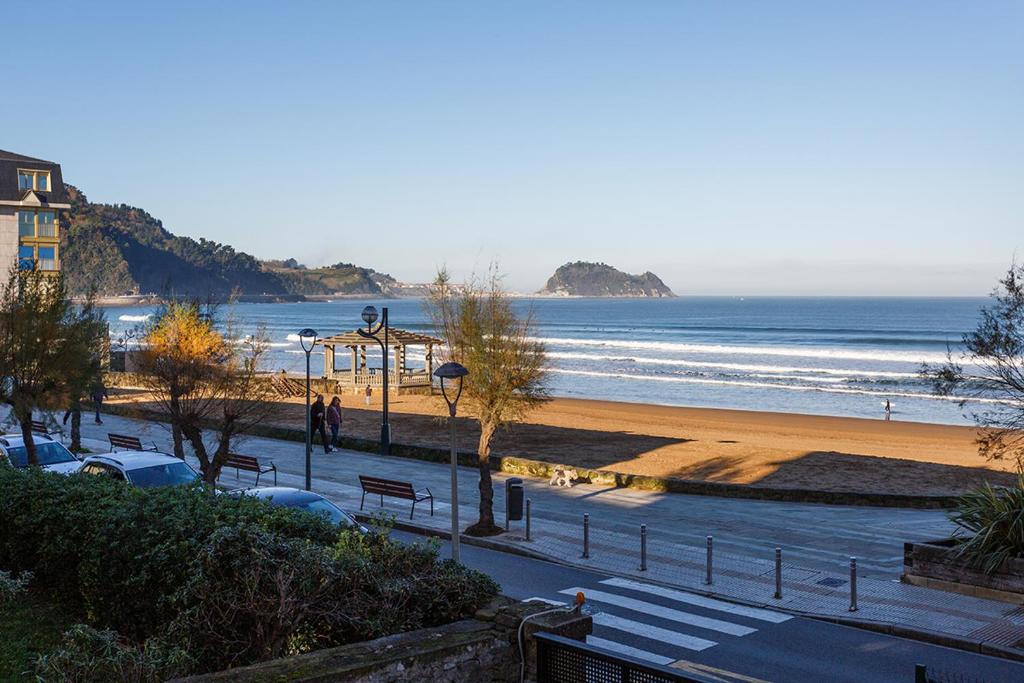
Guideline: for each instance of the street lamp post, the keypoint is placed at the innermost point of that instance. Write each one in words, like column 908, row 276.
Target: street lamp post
column 453, row 372
column 308, row 339
column 371, row 332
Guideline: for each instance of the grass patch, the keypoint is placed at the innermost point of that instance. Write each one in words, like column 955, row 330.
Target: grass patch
column 29, row 626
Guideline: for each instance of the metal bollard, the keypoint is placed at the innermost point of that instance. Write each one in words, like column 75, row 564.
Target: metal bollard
column 707, row 579
column 527, row 519
column 778, row 573
column 586, row 535
column 853, row 584
column 643, row 547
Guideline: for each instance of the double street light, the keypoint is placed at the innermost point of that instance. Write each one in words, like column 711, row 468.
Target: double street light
column 371, row 332
column 308, row 338
column 453, row 372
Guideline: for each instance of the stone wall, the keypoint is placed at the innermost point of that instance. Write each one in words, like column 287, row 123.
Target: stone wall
column 935, row 565
column 482, row 649
column 8, row 237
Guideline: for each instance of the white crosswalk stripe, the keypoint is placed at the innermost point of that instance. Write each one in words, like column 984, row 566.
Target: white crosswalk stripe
column 700, row 601
column 656, row 633
column 663, row 612
column 629, row 651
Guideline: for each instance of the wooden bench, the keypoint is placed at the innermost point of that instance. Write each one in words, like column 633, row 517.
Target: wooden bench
column 394, row 489
column 39, row 427
column 130, row 443
column 250, row 464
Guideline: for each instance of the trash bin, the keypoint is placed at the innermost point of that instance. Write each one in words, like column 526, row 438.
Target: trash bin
column 514, row 495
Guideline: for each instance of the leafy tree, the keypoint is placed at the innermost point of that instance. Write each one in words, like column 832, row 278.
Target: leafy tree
column 506, row 365
column 47, row 346
column 991, row 368
column 205, row 379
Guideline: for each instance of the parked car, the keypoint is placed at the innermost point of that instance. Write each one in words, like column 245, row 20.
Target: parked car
column 144, row 469
column 51, row 454
column 285, row 496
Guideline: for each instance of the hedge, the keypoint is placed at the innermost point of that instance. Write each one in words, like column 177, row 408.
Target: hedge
column 208, row 573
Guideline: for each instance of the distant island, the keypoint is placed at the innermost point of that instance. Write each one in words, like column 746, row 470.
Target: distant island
column 121, row 250
column 599, row 279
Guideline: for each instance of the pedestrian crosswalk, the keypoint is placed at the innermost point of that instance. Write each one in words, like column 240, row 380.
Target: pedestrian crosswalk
column 662, row 625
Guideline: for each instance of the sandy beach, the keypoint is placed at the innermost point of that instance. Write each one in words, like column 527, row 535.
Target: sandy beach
column 743, row 447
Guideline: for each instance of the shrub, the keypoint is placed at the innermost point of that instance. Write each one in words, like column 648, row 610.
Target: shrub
column 229, row 580
column 11, row 587
column 90, row 655
column 994, row 518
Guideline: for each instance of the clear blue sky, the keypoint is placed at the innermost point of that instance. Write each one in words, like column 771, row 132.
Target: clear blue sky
column 743, row 147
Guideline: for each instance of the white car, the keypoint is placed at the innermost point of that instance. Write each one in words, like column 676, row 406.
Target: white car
column 51, row 454
column 144, row 469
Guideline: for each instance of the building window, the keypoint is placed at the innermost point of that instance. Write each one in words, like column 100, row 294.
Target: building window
column 31, row 257
column 41, row 223
column 26, row 258
column 47, row 258
column 26, row 223
column 34, row 180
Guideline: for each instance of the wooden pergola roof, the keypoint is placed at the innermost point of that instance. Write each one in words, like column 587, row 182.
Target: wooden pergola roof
column 396, row 337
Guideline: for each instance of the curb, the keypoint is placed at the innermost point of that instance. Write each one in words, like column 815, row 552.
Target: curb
column 897, row 630
column 544, row 470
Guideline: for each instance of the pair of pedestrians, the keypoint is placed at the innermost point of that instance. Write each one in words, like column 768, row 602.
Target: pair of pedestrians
column 323, row 416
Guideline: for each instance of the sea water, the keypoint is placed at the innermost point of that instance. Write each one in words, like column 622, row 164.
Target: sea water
column 823, row 356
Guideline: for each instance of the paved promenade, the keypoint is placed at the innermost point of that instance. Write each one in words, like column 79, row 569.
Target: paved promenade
column 817, row 540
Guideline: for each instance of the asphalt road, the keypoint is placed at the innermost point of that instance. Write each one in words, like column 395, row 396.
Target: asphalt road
column 731, row 643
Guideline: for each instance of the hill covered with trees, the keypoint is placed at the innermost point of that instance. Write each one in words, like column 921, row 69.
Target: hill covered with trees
column 599, row 279
column 116, row 249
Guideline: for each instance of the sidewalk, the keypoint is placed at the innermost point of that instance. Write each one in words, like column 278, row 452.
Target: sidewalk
column 816, row 540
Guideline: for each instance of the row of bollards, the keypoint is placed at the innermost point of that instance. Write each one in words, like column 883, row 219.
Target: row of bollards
column 708, row 579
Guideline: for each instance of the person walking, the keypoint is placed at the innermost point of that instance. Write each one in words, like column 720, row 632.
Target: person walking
column 316, row 421
column 368, row 393
column 334, row 420
column 98, row 393
column 888, row 410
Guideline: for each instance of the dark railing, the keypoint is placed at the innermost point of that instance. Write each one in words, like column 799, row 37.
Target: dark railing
column 561, row 660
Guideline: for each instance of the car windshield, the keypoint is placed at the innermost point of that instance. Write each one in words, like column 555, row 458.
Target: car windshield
column 171, row 474
column 47, row 452
column 325, row 508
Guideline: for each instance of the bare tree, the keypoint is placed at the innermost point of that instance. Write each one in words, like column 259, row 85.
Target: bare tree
column 506, row 365
column 47, row 346
column 205, row 380
column 990, row 372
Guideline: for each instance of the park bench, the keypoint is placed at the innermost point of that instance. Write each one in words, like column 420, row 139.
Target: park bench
column 394, row 489
column 130, row 443
column 250, row 464
column 39, row 427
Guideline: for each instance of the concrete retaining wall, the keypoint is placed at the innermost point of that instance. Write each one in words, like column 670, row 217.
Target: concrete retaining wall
column 934, row 564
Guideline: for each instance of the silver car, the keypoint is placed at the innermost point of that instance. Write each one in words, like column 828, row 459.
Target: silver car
column 144, row 469
column 51, row 454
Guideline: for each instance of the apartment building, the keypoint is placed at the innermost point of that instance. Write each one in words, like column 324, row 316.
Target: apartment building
column 32, row 197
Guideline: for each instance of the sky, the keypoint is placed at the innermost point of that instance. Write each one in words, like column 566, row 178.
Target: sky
column 738, row 148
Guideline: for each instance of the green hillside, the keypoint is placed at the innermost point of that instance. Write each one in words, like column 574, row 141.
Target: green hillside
column 115, row 249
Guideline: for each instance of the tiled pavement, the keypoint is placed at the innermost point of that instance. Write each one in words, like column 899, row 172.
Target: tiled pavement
column 817, row 540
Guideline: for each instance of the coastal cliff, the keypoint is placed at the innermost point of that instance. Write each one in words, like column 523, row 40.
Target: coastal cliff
column 118, row 250
column 599, row 279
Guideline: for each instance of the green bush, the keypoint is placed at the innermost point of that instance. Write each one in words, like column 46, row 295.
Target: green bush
column 11, row 587
column 230, row 580
column 88, row 655
column 993, row 518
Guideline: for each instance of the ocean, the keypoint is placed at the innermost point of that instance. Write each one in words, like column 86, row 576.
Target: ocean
column 821, row 356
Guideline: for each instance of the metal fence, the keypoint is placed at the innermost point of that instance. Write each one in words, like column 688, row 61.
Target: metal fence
column 561, row 660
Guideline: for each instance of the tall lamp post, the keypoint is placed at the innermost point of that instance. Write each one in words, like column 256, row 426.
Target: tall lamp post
column 371, row 332
column 453, row 372
column 308, row 339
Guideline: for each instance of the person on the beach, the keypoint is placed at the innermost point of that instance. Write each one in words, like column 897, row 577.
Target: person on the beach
column 368, row 392
column 334, row 420
column 98, row 393
column 316, row 421
column 888, row 410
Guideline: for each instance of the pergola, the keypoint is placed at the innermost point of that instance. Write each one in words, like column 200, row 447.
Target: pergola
column 358, row 376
